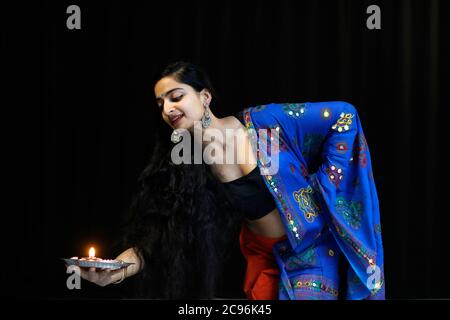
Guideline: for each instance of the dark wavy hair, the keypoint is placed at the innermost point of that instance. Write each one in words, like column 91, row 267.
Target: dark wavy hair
column 179, row 220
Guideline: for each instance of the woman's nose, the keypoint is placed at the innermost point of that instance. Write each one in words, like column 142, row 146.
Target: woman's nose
column 169, row 108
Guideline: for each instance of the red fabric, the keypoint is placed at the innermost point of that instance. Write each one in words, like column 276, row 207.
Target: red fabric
column 262, row 276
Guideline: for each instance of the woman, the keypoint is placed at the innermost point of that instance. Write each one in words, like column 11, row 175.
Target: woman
column 301, row 180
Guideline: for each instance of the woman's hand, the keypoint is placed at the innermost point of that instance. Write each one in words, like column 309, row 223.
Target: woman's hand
column 102, row 277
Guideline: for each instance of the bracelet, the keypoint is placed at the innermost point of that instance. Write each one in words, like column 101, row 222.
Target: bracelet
column 124, row 275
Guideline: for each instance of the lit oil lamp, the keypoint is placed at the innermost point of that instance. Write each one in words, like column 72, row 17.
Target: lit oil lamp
column 94, row 262
column 92, row 256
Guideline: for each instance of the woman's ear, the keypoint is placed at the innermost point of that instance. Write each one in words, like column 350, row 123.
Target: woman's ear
column 206, row 97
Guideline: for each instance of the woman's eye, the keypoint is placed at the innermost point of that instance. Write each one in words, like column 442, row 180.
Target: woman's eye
column 177, row 98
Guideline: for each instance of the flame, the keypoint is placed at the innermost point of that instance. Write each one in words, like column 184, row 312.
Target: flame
column 92, row 252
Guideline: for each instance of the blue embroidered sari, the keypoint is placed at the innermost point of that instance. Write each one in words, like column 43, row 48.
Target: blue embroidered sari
column 325, row 192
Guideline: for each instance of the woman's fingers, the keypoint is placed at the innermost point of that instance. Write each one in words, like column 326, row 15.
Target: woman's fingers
column 84, row 273
column 101, row 277
column 89, row 274
column 114, row 272
column 92, row 275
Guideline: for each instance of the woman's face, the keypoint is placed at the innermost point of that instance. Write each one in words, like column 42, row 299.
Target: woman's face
column 180, row 104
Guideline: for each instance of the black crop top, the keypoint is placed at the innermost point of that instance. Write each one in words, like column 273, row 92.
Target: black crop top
column 249, row 194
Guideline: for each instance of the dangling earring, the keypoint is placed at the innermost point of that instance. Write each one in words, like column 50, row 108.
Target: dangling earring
column 206, row 118
column 175, row 137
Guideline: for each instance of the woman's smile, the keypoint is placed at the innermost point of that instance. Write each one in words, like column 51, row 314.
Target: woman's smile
column 176, row 119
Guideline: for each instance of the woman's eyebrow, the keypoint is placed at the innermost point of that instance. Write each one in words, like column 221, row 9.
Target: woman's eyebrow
column 168, row 92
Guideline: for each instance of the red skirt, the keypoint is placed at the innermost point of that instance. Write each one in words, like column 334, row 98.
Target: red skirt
column 262, row 276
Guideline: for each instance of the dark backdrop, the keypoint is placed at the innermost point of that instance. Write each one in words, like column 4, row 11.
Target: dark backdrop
column 78, row 116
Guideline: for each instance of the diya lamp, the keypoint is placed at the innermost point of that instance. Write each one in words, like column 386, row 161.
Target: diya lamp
column 94, row 262
column 92, row 256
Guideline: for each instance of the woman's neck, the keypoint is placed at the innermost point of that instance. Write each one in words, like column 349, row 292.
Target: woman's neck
column 215, row 133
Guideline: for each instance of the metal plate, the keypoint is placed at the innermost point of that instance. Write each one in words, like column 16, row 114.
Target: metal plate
column 101, row 264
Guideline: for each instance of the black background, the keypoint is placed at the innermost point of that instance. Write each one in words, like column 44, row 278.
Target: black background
column 78, row 117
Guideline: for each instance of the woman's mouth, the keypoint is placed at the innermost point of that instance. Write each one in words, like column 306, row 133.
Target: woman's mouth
column 176, row 119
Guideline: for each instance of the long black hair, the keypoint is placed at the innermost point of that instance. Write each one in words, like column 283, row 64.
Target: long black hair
column 179, row 221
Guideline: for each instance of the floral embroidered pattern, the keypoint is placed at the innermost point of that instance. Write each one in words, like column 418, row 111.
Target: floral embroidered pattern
column 306, row 259
column 342, row 147
column 314, row 284
column 335, row 174
column 343, row 123
column 359, row 151
column 350, row 211
column 360, row 250
column 295, row 110
column 325, row 113
column 362, row 150
column 362, row 143
column 306, row 203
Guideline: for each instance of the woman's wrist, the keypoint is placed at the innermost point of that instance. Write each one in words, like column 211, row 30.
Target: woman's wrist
column 123, row 275
column 130, row 255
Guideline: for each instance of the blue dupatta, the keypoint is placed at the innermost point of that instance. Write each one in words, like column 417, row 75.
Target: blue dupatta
column 326, row 195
